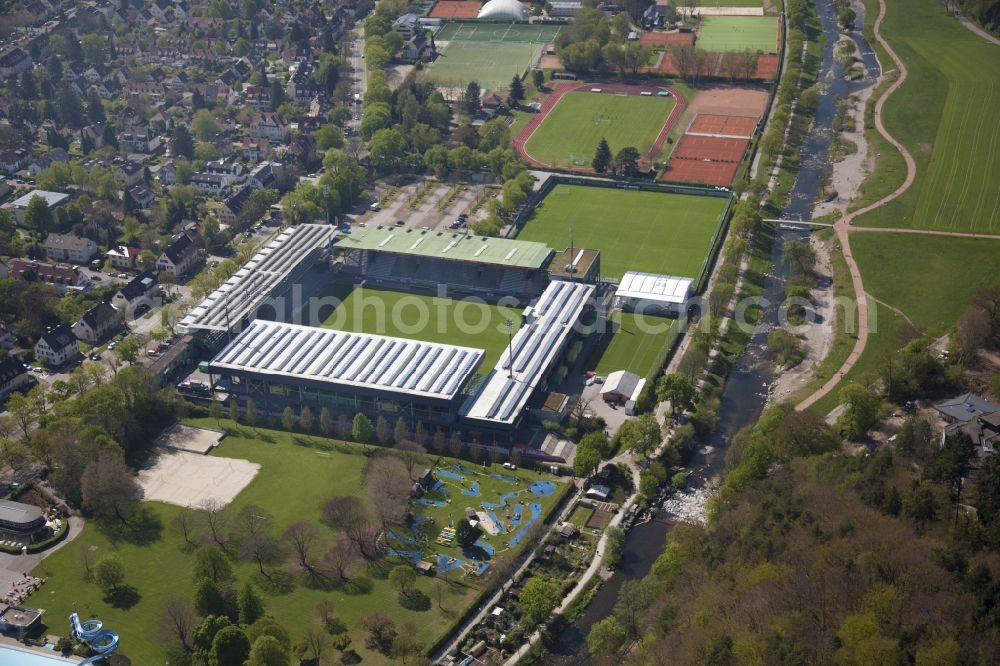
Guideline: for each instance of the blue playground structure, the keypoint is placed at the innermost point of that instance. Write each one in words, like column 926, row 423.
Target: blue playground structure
column 102, row 641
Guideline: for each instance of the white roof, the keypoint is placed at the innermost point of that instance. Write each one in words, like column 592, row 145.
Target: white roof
column 247, row 289
column 51, row 198
column 623, row 383
column 654, row 287
column 536, row 344
column 359, row 360
column 510, row 9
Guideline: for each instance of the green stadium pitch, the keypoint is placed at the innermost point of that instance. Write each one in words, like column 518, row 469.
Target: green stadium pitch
column 655, row 232
column 491, row 67
column 497, row 32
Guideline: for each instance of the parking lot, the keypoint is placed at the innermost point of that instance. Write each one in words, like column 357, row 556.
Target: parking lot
column 422, row 206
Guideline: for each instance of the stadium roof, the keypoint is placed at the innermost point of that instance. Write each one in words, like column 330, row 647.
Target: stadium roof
column 246, row 290
column 448, row 245
column 547, row 325
column 361, row 360
column 654, row 287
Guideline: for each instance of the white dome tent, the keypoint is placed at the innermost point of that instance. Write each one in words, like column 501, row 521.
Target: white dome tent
column 510, row 10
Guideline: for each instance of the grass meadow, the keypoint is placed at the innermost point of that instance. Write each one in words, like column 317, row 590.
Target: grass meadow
column 298, row 473
column 635, row 231
column 945, row 114
column 737, row 33
column 571, row 131
column 490, row 65
column 635, row 343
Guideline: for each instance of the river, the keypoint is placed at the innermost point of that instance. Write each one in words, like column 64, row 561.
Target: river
column 746, row 389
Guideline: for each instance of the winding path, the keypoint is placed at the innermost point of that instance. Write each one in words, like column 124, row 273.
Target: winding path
column 844, row 227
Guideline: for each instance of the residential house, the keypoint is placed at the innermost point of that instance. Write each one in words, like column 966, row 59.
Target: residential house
column 655, row 16
column 975, row 417
column 94, row 134
column 123, row 257
column 269, row 126
column 97, row 323
column 209, row 183
column 234, row 209
column 45, row 161
column 303, row 146
column 407, row 25
column 258, row 97
column 6, row 336
column 58, row 346
column 417, row 48
column 13, row 376
column 255, row 150
column 151, row 89
column 265, row 175
column 62, row 278
column 13, row 62
column 70, row 247
column 14, row 159
column 138, row 140
column 138, row 291
column 142, row 196
column 302, row 87
column 165, row 173
column 178, row 258
column 232, row 171
column 128, row 174
column 493, row 104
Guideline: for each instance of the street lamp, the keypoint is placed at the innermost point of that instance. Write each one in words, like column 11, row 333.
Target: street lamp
column 510, row 348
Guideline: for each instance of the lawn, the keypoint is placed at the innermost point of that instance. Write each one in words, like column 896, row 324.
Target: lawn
column 945, row 116
column 635, row 344
column 737, row 33
column 467, row 323
column 635, row 231
column 572, row 129
column 297, row 474
column 728, row 3
column 930, row 279
column 496, row 32
column 491, row 65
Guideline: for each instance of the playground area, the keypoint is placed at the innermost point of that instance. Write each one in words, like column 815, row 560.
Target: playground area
column 504, row 507
column 720, row 34
column 572, row 125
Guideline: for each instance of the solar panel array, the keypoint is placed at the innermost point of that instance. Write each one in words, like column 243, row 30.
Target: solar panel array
column 534, row 348
column 246, row 290
column 397, row 365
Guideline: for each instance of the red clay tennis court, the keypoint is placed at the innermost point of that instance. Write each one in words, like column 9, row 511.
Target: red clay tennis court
column 667, row 39
column 455, row 9
column 767, row 67
column 702, row 172
column 695, row 147
column 711, row 123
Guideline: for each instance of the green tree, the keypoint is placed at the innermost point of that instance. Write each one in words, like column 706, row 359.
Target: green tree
column 109, row 574
column 382, row 432
column 799, row 255
column 38, row 216
column 586, row 460
column 204, row 125
column 128, row 349
column 267, row 651
column 539, row 598
column 306, row 419
column 465, row 534
column 329, row 136
column 678, row 389
column 210, row 563
column 516, row 92
column 538, row 78
column 288, row 419
column 325, row 422
column 471, row 101
column 387, row 150
column 249, row 605
column 182, row 143
column 602, row 156
column 860, row 411
column 606, row 637
column 402, row 578
column 362, row 430
column 627, row 161
column 401, row 432
column 230, row 647
column 640, row 435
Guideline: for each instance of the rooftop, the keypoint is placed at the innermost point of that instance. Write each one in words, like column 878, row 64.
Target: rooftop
column 547, row 325
column 654, row 287
column 362, row 360
column 51, row 198
column 445, row 245
column 19, row 514
column 966, row 407
column 246, row 290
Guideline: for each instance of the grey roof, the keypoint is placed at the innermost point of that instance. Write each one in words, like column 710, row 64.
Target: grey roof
column 246, row 290
column 536, row 345
column 621, row 382
column 60, row 337
column 360, row 360
column 10, row 368
column 19, row 513
column 654, row 287
column 51, row 198
column 966, row 407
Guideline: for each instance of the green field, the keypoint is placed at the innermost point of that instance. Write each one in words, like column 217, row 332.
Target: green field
column 737, row 33
column 316, row 469
column 636, row 342
column 572, row 129
column 497, row 32
column 945, row 116
column 930, row 279
column 635, row 231
column 428, row 318
column 492, row 66
column 728, row 3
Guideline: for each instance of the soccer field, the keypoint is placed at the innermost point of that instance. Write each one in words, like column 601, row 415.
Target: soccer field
column 635, row 344
column 497, row 32
column 492, row 65
column 635, row 231
column 417, row 317
column 737, row 33
column 569, row 134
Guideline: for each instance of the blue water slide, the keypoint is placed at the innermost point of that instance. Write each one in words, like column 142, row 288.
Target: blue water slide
column 102, row 641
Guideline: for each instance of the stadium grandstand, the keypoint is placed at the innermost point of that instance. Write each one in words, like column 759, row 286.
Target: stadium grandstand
column 278, row 364
column 535, row 349
column 261, row 282
column 411, row 259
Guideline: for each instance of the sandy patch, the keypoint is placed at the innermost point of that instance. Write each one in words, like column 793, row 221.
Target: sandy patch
column 728, row 101
column 189, row 438
column 190, row 479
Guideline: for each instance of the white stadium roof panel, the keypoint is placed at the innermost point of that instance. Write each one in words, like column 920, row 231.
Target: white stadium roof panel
column 654, row 287
column 360, row 360
column 547, row 325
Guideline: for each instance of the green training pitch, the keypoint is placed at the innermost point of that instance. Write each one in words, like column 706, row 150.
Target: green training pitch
column 418, row 317
column 729, row 3
column 569, row 134
column 945, row 115
column 497, row 32
column 635, row 231
column 738, row 33
column 491, row 66
column 636, row 342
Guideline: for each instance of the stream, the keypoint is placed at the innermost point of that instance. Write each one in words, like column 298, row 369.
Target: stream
column 745, row 393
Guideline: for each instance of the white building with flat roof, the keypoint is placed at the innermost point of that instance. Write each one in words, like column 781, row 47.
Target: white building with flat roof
column 652, row 293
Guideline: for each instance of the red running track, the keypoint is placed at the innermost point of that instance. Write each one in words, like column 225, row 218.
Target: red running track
column 566, row 87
